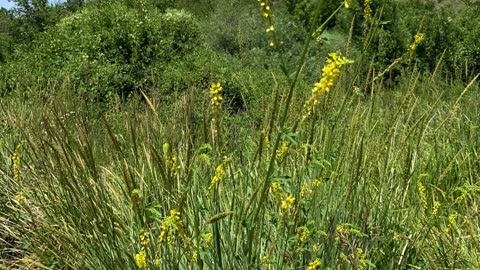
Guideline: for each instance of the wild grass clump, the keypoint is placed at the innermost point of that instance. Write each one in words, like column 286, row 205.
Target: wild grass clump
column 345, row 173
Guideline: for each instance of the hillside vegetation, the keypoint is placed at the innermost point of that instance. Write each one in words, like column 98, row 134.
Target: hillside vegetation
column 286, row 134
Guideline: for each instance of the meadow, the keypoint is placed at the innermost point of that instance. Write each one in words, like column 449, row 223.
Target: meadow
column 264, row 141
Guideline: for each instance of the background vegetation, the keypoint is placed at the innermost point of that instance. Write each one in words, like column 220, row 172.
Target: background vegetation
column 173, row 134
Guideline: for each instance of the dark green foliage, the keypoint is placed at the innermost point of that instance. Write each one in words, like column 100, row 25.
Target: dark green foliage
column 450, row 27
column 6, row 38
column 304, row 10
column 108, row 49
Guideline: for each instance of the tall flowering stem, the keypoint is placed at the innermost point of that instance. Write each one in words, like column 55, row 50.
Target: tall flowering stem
column 329, row 74
column 141, row 257
column 17, row 164
column 367, row 11
column 216, row 101
column 219, row 173
column 419, row 38
column 270, row 29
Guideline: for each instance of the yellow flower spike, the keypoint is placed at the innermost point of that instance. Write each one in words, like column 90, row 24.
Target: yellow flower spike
column 171, row 226
column 303, row 190
column 348, row 3
column 288, row 202
column 303, row 234
column 219, row 172
column 17, row 163
column 421, row 191
column 276, row 189
column 270, row 29
column 141, row 259
column 329, row 73
column 452, row 220
column 206, row 240
column 282, row 152
column 419, row 38
column 314, row 265
column 216, row 94
column 436, row 206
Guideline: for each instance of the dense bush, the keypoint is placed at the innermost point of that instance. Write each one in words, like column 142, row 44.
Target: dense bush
column 106, row 49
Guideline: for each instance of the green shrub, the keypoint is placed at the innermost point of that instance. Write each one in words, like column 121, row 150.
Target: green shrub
column 106, row 50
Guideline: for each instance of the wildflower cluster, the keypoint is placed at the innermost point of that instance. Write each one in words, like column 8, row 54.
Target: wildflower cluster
column 170, row 160
column 266, row 260
column 421, row 192
column 219, row 172
column 419, row 37
column 16, row 160
column 304, row 189
column 216, row 98
column 303, row 234
column 329, row 73
column 206, row 240
column 276, row 189
column 287, row 203
column 270, row 29
column 172, row 225
column 314, row 264
column 348, row 3
column 436, row 206
column 452, row 220
column 282, row 152
column 141, row 257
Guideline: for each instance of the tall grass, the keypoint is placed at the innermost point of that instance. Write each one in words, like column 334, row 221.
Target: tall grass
column 373, row 178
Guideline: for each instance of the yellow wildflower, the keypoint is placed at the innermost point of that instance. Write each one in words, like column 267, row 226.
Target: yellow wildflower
column 419, row 37
column 219, row 172
column 314, row 264
column 216, row 95
column 265, row 260
column 316, row 184
column 282, row 152
column 195, row 256
column 171, row 226
column 288, row 202
column 276, row 189
column 144, row 239
column 304, row 189
column 16, row 160
column 303, row 234
column 436, row 206
column 329, row 73
column 206, row 240
column 19, row 197
column 348, row 3
column 170, row 160
column 141, row 259
column 421, row 191
column 452, row 220
column 265, row 4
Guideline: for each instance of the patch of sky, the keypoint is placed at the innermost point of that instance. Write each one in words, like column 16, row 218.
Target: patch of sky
column 8, row 4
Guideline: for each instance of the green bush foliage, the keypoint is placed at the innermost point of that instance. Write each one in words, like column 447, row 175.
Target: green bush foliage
column 107, row 49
